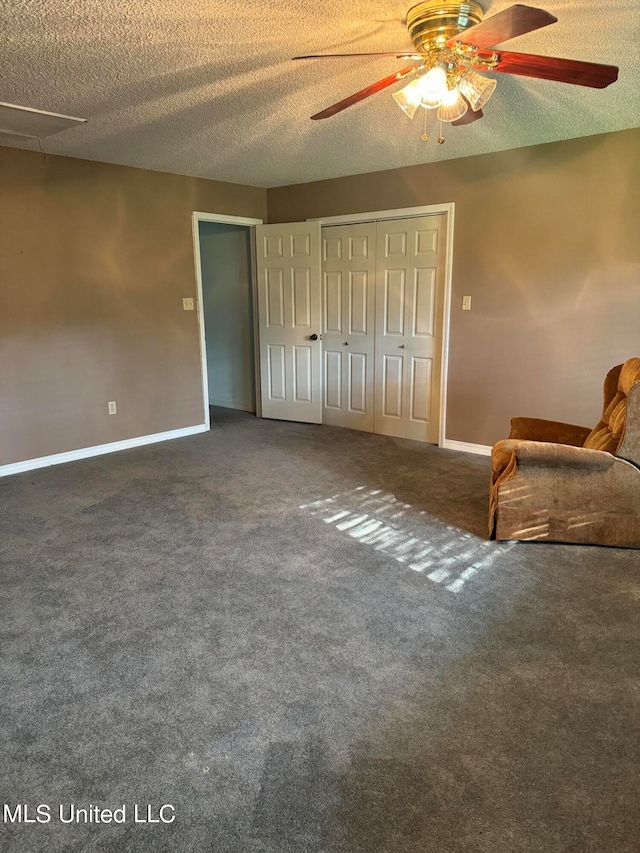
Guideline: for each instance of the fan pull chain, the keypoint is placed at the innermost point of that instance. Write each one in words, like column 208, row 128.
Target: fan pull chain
column 425, row 135
column 441, row 137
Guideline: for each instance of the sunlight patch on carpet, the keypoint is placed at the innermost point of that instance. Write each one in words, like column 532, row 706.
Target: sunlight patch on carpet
column 445, row 554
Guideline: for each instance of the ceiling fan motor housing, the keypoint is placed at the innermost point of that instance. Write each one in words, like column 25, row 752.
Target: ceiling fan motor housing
column 433, row 22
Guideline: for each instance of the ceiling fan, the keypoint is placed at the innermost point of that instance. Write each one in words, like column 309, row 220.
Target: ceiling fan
column 452, row 43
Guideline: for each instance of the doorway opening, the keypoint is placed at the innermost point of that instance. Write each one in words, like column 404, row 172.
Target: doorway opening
column 224, row 268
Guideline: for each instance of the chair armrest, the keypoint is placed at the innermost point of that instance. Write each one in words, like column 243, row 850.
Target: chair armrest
column 537, row 429
column 629, row 448
column 544, row 454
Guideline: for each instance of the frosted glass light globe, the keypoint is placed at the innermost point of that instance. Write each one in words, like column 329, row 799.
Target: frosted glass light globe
column 432, row 87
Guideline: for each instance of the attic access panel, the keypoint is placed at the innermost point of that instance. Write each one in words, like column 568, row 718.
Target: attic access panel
column 32, row 123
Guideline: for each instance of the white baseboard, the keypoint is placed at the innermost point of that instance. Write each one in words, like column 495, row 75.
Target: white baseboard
column 480, row 449
column 97, row 450
column 240, row 407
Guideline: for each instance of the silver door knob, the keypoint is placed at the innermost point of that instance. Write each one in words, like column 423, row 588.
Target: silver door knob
column 345, row 344
column 402, row 346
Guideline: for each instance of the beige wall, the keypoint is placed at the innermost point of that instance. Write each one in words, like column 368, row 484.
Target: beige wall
column 94, row 262
column 547, row 244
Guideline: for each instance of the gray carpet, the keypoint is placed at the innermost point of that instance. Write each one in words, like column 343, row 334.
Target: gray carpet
column 299, row 637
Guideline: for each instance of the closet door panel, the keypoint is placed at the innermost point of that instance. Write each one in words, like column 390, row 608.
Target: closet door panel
column 411, row 261
column 349, row 261
column 289, row 313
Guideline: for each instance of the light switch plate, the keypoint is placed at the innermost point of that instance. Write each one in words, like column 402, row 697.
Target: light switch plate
column 187, row 304
column 466, row 303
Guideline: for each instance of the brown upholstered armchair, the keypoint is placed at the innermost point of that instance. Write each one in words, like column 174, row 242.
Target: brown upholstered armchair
column 564, row 483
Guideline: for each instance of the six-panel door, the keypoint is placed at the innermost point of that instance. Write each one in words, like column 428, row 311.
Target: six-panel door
column 348, row 284
column 289, row 316
column 410, row 273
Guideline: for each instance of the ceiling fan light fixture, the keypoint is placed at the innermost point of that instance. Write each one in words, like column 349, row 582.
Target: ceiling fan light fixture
column 453, row 106
column 476, row 89
column 452, row 39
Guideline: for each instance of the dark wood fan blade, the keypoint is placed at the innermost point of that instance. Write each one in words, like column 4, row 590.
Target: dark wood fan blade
column 551, row 68
column 405, row 55
column 514, row 21
column 365, row 93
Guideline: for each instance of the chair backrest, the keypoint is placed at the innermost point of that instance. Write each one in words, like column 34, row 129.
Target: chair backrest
column 621, row 401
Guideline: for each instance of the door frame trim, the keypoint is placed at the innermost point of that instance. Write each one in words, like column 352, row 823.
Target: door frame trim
column 197, row 217
column 410, row 213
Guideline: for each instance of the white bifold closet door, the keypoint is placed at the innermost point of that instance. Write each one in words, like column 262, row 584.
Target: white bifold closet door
column 410, row 273
column 289, row 320
column 378, row 304
column 348, row 334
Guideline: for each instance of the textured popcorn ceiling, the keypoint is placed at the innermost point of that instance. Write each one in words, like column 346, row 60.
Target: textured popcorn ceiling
column 207, row 88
